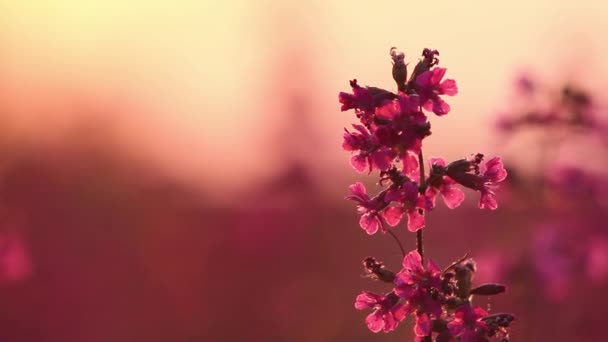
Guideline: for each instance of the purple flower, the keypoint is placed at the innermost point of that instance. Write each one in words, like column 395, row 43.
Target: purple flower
column 468, row 324
column 373, row 210
column 429, row 87
column 416, row 285
column 444, row 185
column 411, row 203
column 388, row 310
column 371, row 155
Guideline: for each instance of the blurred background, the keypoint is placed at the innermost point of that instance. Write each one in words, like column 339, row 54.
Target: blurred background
column 173, row 171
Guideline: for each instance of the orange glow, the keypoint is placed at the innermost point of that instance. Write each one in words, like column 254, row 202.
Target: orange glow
column 194, row 79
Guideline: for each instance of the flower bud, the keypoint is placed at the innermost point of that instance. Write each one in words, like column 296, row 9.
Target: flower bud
column 464, row 277
column 399, row 68
column 488, row 289
column 375, row 270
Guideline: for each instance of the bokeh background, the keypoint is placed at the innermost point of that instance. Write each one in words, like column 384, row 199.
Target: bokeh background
column 172, row 170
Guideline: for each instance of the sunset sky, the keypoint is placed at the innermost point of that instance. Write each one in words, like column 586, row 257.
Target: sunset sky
column 204, row 86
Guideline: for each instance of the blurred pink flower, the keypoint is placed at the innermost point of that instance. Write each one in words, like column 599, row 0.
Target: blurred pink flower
column 15, row 263
column 597, row 259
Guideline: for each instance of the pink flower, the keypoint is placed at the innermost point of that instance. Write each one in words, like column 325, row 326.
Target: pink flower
column 388, row 310
column 444, row 185
column 429, row 88
column 483, row 179
column 364, row 101
column 371, row 155
column 423, row 324
column 373, row 210
column 359, row 99
column 405, row 125
column 494, row 173
column 411, row 203
column 411, row 168
column 416, row 284
column 468, row 324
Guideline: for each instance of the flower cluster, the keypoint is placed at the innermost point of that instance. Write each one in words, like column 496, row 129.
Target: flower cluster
column 388, row 138
column 536, row 105
column 439, row 301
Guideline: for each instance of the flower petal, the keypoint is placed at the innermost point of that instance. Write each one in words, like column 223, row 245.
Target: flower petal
column 448, row 87
column 412, row 261
column 423, row 325
column 369, row 223
column 366, row 300
column 415, row 220
column 359, row 162
column 487, row 201
column 452, row 196
column 374, row 321
column 393, row 215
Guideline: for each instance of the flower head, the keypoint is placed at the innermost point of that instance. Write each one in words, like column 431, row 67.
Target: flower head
column 469, row 173
column 403, row 126
column 468, row 324
column 373, row 210
column 370, row 154
column 418, row 286
column 439, row 183
column 411, row 203
column 388, row 312
column 429, row 87
column 364, row 100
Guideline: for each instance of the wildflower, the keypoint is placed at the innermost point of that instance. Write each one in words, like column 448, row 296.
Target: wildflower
column 482, row 179
column 439, row 183
column 371, row 154
column 373, row 210
column 494, row 173
column 388, row 312
column 425, row 63
column 419, row 287
column 406, row 126
column 410, row 203
column 468, row 324
column 429, row 88
column 359, row 99
column 364, row 100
